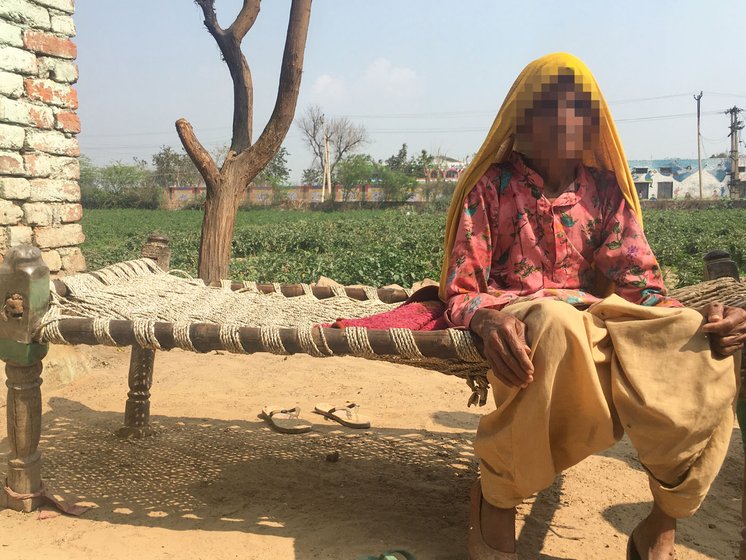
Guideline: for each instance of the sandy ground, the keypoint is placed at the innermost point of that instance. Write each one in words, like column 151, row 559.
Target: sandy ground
column 216, row 483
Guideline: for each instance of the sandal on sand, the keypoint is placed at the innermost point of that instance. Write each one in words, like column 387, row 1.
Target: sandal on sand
column 347, row 415
column 286, row 420
column 478, row 549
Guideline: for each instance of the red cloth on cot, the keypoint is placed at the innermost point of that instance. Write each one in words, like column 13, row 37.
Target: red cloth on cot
column 423, row 311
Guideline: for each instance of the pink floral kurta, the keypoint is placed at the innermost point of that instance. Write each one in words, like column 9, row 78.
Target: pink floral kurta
column 514, row 244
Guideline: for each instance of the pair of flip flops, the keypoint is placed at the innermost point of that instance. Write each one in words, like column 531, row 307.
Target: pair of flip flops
column 288, row 421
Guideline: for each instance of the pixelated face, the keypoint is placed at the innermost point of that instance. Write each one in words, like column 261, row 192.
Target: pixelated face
column 560, row 122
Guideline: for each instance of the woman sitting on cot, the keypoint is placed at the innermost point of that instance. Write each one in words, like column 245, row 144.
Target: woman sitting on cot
column 547, row 262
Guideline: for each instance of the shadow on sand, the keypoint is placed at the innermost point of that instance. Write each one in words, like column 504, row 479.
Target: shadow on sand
column 215, row 475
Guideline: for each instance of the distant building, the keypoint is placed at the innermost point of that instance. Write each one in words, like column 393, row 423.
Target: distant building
column 679, row 178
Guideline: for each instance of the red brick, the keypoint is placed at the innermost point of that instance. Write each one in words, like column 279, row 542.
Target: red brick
column 69, row 122
column 11, row 164
column 46, row 43
column 56, row 167
column 52, row 93
column 40, row 117
column 52, row 142
column 69, row 213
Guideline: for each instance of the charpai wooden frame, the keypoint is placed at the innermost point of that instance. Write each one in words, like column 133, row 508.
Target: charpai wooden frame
column 25, row 290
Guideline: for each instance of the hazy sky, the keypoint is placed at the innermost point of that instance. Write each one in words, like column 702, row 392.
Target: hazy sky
column 431, row 73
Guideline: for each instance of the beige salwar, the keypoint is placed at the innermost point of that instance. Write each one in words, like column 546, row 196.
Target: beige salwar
column 614, row 368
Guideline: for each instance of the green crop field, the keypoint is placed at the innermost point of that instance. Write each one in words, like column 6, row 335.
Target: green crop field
column 375, row 247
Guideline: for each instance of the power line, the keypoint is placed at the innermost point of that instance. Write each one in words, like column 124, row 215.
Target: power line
column 726, row 94
column 226, row 128
column 640, row 99
column 411, row 130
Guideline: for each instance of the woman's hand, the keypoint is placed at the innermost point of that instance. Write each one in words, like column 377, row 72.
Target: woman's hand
column 505, row 346
column 726, row 326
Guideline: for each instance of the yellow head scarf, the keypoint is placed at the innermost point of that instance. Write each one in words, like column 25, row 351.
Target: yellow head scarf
column 607, row 154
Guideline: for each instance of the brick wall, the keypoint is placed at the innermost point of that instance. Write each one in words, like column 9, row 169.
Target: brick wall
column 39, row 168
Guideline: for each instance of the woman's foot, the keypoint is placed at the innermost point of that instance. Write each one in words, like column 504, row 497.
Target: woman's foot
column 491, row 529
column 654, row 537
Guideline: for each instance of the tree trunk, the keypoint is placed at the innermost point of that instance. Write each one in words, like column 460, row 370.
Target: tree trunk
column 245, row 160
column 217, row 232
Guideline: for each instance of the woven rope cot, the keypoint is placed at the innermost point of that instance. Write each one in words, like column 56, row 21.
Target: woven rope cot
column 136, row 302
column 139, row 304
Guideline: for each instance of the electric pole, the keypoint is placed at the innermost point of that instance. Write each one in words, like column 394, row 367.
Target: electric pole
column 699, row 146
column 327, row 169
column 735, row 126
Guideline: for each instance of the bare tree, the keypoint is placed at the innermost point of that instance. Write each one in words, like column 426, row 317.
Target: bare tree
column 227, row 184
column 344, row 136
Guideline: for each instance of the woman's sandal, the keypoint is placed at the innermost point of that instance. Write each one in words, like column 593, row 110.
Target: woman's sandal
column 285, row 420
column 478, row 549
column 347, row 415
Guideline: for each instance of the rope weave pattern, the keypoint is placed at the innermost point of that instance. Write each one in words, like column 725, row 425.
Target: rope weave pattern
column 405, row 344
column 150, row 294
column 357, row 338
column 250, row 286
column 271, row 340
column 145, row 334
column 181, row 336
column 102, row 333
column 464, row 345
column 50, row 328
column 229, row 337
column 327, row 351
column 339, row 291
column 371, row 293
column 305, row 339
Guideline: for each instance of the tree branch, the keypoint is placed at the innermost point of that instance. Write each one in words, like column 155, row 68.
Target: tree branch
column 199, row 155
column 311, row 125
column 243, row 95
column 211, row 18
column 245, row 19
column 256, row 157
column 229, row 42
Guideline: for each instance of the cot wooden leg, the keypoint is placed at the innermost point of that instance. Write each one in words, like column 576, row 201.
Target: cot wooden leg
column 137, row 409
column 24, row 299
column 23, row 486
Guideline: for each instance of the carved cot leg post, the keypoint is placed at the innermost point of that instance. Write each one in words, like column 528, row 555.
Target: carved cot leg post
column 137, row 408
column 24, row 287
